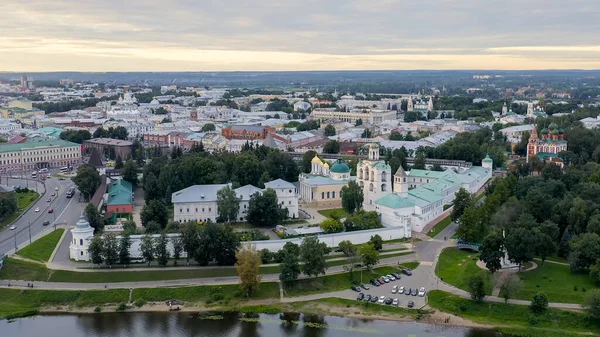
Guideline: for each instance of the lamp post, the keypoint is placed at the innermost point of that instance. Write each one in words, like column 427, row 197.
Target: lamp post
column 29, row 229
column 437, row 270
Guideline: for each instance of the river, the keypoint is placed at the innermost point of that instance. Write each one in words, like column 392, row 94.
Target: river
column 222, row 325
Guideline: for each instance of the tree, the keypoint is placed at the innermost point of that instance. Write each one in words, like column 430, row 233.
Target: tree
column 546, row 246
column 264, row 210
column 119, row 163
column 509, row 284
column 96, row 250
column 129, row 227
column 161, row 251
column 352, row 197
column 332, row 146
column 248, row 269
column 332, row 226
column 147, row 248
column 563, row 246
column 306, row 163
column 471, row 227
column 350, row 251
column 593, row 225
column 585, row 251
column 290, row 266
column 94, row 218
column 462, row 201
column 395, row 135
column 228, row 204
column 362, row 220
column 591, row 304
column 539, row 303
column 377, row 242
column 492, row 251
column 369, row 255
column 110, row 249
column 78, row 136
column 329, row 130
column 476, row 288
column 521, row 246
column 177, row 244
column 124, row 246
column 155, row 210
column 190, row 239
column 266, row 256
column 87, row 180
column 358, row 122
column 129, row 172
column 208, row 127
column 313, row 257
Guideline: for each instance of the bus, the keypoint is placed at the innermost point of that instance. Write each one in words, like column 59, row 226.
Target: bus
column 71, row 192
column 64, row 169
column 34, row 175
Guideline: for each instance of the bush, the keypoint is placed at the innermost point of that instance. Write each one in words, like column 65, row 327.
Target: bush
column 97, row 309
column 121, row 307
column 477, row 288
column 591, row 304
column 216, row 295
column 539, row 304
column 139, row 303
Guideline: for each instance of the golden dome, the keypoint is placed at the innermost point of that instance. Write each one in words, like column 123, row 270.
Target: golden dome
column 316, row 159
column 326, row 165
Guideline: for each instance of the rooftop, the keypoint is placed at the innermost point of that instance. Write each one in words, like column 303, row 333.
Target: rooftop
column 197, row 193
column 394, row 200
column 38, row 143
column 279, row 183
column 109, row 141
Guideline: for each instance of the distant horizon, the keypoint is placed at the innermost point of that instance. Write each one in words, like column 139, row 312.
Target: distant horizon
column 303, row 71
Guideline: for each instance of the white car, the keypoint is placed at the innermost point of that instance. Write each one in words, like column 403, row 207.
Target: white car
column 401, row 290
column 381, row 299
column 56, row 188
column 394, row 289
column 395, row 302
column 37, row 209
column 391, row 278
column 13, row 227
column 421, row 291
column 386, row 279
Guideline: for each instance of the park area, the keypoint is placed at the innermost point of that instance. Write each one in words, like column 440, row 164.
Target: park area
column 41, row 250
column 455, row 267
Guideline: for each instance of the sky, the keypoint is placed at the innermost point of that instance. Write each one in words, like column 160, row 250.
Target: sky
column 271, row 35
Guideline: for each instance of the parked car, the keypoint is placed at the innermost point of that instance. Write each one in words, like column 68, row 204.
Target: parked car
column 61, row 178
column 395, row 302
column 391, row 278
column 407, row 272
column 411, row 304
column 396, row 275
column 414, row 292
column 388, row 301
column 421, row 292
column 365, row 287
column 375, row 283
column 13, row 227
column 374, row 299
column 385, row 279
column 368, row 298
column 380, row 280
column 401, row 290
column 355, row 288
column 51, row 210
column 360, row 296
column 46, row 223
column 407, row 292
column 381, row 299
column 394, row 289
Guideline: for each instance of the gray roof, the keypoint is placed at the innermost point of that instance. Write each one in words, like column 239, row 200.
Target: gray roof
column 248, row 127
column 197, row 193
column 279, row 183
column 245, row 192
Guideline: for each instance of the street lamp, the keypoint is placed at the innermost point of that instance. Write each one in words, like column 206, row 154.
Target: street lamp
column 437, row 270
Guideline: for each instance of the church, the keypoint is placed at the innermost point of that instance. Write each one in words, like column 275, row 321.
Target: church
column 322, row 187
column 547, row 149
column 415, row 198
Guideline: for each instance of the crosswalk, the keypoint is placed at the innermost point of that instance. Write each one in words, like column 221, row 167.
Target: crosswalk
column 436, row 240
column 426, row 263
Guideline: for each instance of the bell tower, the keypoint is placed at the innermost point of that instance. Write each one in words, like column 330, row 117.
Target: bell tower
column 400, row 184
column 374, row 152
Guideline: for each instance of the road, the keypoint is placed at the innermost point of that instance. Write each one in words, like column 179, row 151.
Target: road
column 65, row 210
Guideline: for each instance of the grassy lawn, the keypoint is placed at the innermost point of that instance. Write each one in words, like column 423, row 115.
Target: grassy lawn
column 457, row 266
column 557, row 282
column 23, row 201
column 22, row 270
column 555, row 259
column 332, row 282
column 41, row 249
column 512, row 314
column 338, row 213
column 440, row 226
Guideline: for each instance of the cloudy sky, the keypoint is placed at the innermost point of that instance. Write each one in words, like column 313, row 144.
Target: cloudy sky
column 206, row 35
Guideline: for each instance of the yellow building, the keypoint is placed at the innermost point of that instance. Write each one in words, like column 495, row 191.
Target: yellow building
column 20, row 109
column 322, row 187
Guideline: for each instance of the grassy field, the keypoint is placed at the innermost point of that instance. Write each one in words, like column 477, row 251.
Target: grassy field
column 440, row 226
column 23, row 201
column 457, row 266
column 337, row 212
column 557, row 282
column 41, row 249
column 512, row 314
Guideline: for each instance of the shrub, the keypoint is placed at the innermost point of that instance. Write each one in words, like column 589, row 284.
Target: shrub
column 121, row 307
column 97, row 309
column 139, row 303
column 539, row 303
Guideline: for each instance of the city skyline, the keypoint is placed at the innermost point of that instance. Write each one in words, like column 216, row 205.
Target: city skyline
column 90, row 35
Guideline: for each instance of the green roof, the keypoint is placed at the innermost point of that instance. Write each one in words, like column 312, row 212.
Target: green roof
column 120, row 192
column 394, row 200
column 35, row 144
column 487, row 158
column 426, row 173
column 340, row 167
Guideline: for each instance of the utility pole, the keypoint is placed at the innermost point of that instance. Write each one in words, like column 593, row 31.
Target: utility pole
column 15, row 237
column 29, row 228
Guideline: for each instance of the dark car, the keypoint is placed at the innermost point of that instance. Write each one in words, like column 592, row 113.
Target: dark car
column 373, row 282
column 396, row 275
column 414, row 291
column 367, row 298
column 380, row 280
column 407, row 291
column 388, row 301
column 46, row 223
column 360, row 296
column 406, row 271
column 365, row 287
column 355, row 288
column 61, row 178
column 411, row 304
column 50, row 210
column 374, row 299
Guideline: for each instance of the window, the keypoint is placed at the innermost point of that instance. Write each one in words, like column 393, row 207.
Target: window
column 290, row 191
column 210, row 209
column 290, row 202
column 81, row 252
column 188, row 210
column 196, row 209
column 81, row 242
column 322, row 195
column 181, row 210
column 327, row 195
column 333, row 194
column 203, row 210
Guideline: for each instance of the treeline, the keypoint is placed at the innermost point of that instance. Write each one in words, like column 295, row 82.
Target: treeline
column 75, row 136
column 254, row 165
column 77, row 104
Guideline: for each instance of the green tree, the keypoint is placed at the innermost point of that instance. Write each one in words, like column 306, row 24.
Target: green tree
column 332, row 146
column 248, row 269
column 462, row 201
column 332, row 226
column 155, row 210
column 96, row 250
column 78, row 136
column 471, row 227
column 329, row 130
column 190, row 239
column 87, row 180
column 585, row 251
column 264, row 210
column 593, row 225
column 290, row 264
column 313, row 257
column 539, row 303
column 369, row 255
column 476, row 288
column 595, row 272
column 591, row 304
column 161, row 251
column 110, row 249
column 228, row 204
column 395, row 135
column 208, row 127
column 352, row 197
column 124, row 246
column 129, row 172
column 177, row 244
column 492, row 251
column 358, row 122
column 377, row 242
column 509, row 284
column 119, row 163
column 147, row 248
column 350, row 251
column 94, row 218
column 362, row 220
column 521, row 246
column 306, row 162
column 545, row 246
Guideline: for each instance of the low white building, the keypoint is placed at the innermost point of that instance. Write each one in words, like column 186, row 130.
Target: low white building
column 301, row 106
column 591, row 123
column 515, row 133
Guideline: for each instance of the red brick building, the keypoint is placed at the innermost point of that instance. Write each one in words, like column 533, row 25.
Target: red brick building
column 250, row 132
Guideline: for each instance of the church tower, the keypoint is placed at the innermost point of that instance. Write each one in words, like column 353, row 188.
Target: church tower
column 410, row 106
column 430, row 104
column 504, row 109
column 532, row 146
column 400, row 184
column 374, row 152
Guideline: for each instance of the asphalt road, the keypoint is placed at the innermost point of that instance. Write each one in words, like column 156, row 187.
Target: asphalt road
column 65, row 210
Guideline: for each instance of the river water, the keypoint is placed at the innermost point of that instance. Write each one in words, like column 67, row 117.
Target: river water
column 222, row 325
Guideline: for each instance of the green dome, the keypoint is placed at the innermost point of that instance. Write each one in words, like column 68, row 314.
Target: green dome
column 553, row 126
column 340, row 167
column 487, row 158
column 561, row 131
column 555, row 132
column 544, row 131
